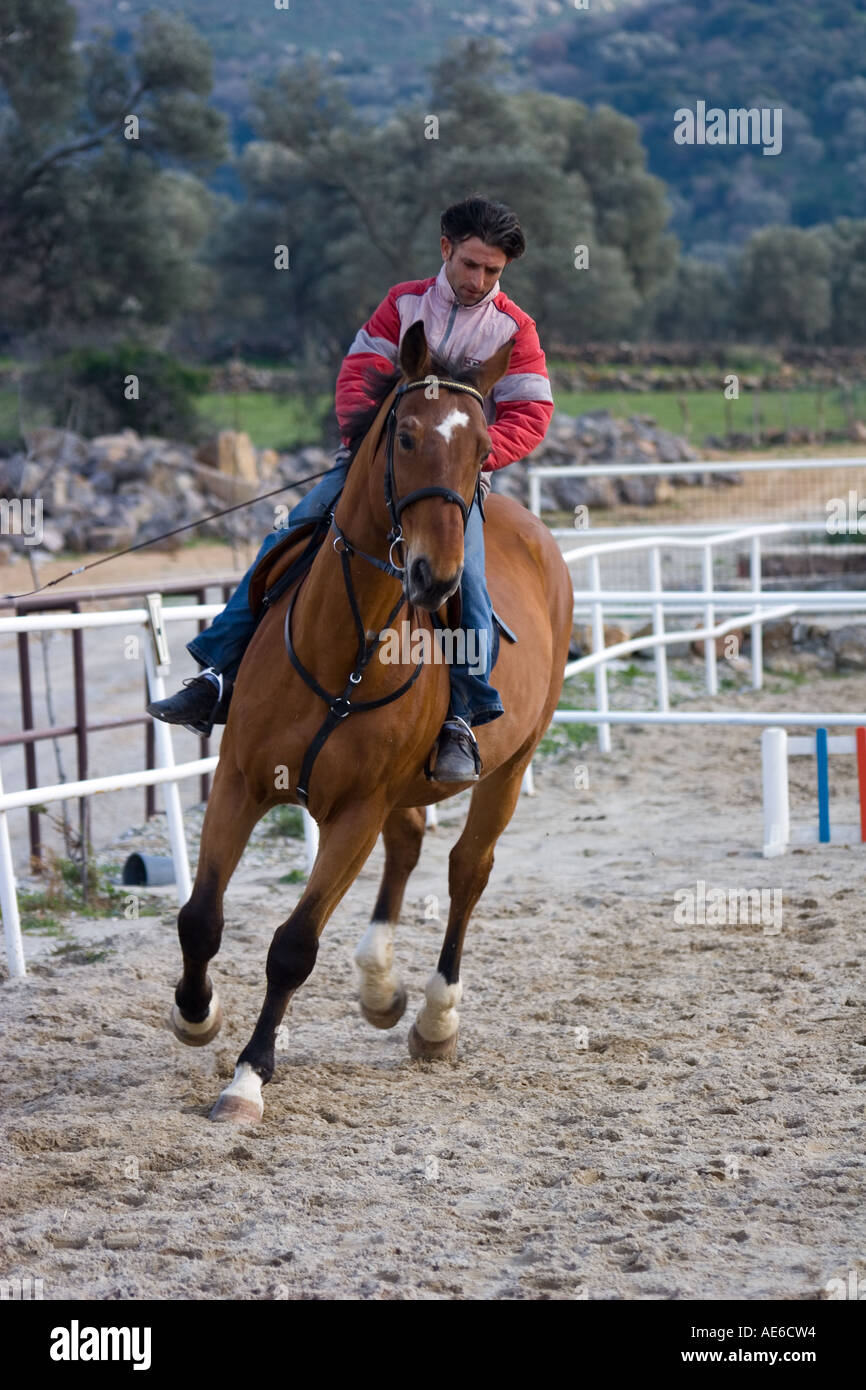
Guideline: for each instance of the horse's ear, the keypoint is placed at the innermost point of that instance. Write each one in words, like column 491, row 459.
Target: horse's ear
column 414, row 352
column 495, row 367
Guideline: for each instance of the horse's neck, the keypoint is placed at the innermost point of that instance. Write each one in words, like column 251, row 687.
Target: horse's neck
column 323, row 600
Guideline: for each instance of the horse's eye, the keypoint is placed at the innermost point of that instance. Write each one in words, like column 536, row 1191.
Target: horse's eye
column 405, row 441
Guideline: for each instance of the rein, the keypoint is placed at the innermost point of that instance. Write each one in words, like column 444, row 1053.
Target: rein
column 341, row 706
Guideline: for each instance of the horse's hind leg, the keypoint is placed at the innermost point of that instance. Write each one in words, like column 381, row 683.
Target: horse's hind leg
column 196, row 1015
column 383, row 997
column 433, row 1035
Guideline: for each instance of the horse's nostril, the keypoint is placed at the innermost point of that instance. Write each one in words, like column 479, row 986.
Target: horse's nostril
column 421, row 574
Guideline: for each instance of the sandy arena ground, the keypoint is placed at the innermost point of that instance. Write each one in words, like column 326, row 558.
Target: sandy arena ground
column 703, row 1138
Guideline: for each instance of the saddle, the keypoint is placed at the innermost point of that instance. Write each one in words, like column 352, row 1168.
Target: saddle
column 285, row 563
column 288, row 561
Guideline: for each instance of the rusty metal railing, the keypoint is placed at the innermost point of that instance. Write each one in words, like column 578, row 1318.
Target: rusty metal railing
column 28, row 736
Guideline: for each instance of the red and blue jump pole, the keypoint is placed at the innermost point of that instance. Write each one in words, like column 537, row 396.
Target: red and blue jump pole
column 822, row 764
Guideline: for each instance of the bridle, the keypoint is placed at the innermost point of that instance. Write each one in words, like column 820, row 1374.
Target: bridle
column 397, row 506
column 340, row 706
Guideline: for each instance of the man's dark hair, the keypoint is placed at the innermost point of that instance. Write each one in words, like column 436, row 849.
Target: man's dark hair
column 494, row 223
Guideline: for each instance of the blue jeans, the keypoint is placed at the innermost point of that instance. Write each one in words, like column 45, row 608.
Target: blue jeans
column 473, row 698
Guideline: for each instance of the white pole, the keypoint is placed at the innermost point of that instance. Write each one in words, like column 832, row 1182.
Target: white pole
column 9, row 901
column 602, row 701
column 535, row 494
column 528, row 783
column 171, row 792
column 311, row 840
column 774, row 760
column 709, row 621
column 757, row 628
column 661, row 655
column 432, row 818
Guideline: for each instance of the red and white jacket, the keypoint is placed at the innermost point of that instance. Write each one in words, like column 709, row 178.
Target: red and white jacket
column 518, row 409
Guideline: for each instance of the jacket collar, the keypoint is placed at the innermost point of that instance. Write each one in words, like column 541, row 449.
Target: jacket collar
column 444, row 289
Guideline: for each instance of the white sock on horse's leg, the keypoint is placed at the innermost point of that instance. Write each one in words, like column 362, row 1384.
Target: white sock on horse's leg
column 374, row 957
column 438, row 1019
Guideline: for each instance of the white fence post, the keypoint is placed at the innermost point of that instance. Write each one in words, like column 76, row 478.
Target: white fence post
column 757, row 628
column 534, row 493
column 661, row 651
column 712, row 679
column 311, row 839
column 9, row 901
column 774, row 764
column 602, row 701
column 153, row 648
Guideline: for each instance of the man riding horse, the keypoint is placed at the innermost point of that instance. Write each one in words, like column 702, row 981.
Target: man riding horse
column 466, row 318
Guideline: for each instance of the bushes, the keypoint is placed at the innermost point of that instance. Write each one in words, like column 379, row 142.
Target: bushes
column 102, row 390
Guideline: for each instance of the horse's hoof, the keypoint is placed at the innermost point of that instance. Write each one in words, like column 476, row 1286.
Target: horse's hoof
column 237, row 1110
column 197, row 1034
column 241, row 1101
column 386, row 1018
column 424, row 1051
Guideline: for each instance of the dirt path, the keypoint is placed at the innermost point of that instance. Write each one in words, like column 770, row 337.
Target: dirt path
column 702, row 1139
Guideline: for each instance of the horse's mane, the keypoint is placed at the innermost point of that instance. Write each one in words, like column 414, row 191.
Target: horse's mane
column 378, row 384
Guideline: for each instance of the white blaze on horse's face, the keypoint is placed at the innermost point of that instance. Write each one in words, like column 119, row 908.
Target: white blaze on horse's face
column 453, row 420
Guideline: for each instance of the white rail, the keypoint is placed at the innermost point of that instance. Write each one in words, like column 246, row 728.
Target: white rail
column 168, row 774
column 764, row 604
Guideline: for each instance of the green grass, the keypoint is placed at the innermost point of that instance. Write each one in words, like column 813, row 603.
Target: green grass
column 271, row 421
column 285, row 821
column 777, row 410
column 44, row 909
column 286, row 422
column 293, row 876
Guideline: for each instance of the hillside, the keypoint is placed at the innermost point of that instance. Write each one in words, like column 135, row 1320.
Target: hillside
column 644, row 59
column 808, row 59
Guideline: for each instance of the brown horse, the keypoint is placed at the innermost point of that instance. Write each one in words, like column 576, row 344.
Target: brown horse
column 368, row 776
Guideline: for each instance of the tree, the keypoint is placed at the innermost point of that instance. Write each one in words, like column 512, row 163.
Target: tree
column 783, row 285
column 358, row 204
column 846, row 243
column 101, row 206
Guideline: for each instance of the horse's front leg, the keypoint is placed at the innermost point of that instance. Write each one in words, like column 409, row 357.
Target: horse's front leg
column 231, row 815
column 344, row 844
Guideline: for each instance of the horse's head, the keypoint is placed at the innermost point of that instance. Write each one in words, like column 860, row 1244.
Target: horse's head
column 439, row 440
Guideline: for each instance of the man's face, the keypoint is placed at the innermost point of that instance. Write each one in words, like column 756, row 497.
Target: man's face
column 472, row 267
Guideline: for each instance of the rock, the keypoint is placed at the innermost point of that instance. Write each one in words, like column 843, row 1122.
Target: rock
column 777, row 635
column 640, row 492
column 268, row 460
column 110, row 537
column 232, row 454
column 52, row 539
column 112, row 448
column 723, row 644
column 678, row 651
column 581, row 637
column 45, row 444
column 7, row 555
column 848, row 645
column 224, row 489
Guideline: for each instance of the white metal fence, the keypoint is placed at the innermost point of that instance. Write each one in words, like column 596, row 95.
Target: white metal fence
column 750, row 608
